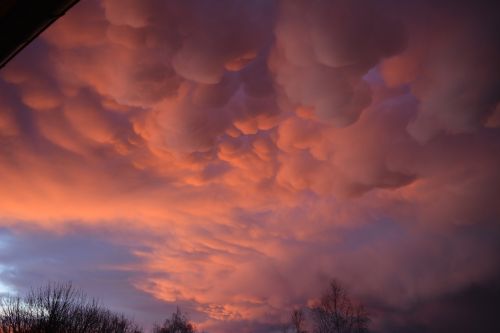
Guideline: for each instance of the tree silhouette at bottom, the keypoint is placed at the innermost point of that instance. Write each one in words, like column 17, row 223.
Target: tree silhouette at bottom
column 178, row 323
column 335, row 312
column 59, row 308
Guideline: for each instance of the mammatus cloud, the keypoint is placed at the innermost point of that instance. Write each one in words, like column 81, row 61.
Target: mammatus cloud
column 324, row 48
column 450, row 64
column 257, row 148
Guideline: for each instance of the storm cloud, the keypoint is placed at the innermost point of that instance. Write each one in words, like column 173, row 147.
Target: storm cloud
column 238, row 154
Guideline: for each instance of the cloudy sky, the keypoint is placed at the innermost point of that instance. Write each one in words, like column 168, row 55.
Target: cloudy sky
column 232, row 156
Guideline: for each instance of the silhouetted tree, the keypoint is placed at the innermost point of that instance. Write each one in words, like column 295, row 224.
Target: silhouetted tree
column 298, row 321
column 178, row 323
column 14, row 317
column 59, row 308
column 334, row 313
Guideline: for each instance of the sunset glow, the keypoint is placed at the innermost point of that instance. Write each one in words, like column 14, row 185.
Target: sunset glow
column 232, row 156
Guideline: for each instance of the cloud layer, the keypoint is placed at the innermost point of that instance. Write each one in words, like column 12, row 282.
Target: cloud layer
column 257, row 148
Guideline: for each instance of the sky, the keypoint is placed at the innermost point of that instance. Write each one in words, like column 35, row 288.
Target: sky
column 231, row 157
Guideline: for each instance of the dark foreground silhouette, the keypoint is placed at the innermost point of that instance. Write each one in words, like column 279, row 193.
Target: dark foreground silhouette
column 61, row 308
column 334, row 312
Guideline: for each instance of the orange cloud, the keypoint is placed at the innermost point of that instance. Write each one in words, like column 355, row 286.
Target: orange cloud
column 258, row 147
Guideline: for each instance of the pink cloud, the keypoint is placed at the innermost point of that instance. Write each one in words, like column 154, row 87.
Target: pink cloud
column 259, row 148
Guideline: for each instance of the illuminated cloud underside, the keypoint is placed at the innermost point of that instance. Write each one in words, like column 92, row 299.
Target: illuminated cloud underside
column 256, row 148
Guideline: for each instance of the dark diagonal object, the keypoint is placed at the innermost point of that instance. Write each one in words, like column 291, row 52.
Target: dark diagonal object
column 21, row 21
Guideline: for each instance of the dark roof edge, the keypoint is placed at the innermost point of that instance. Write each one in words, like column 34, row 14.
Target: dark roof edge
column 38, row 30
